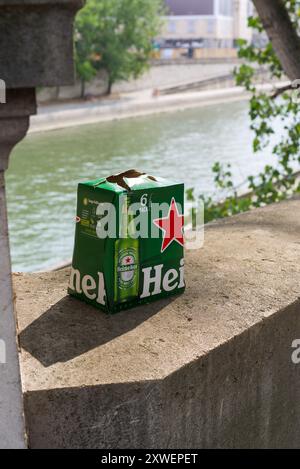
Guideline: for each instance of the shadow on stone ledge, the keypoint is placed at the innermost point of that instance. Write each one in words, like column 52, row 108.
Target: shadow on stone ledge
column 70, row 328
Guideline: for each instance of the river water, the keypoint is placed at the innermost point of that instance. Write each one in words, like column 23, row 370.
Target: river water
column 46, row 168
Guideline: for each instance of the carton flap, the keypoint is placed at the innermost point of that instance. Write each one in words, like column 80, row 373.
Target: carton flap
column 130, row 180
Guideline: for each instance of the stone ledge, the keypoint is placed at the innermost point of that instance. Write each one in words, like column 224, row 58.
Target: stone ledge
column 210, row 368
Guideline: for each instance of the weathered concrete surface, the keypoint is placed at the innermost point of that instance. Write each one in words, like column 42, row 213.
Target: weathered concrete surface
column 36, row 42
column 12, row 432
column 210, row 368
column 14, row 122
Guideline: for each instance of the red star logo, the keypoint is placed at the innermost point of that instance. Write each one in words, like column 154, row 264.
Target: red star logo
column 172, row 226
column 128, row 260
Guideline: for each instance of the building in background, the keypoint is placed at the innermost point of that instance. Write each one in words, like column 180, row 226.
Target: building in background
column 206, row 28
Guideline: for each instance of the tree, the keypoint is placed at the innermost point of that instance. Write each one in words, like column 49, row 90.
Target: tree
column 117, row 36
column 280, row 19
column 86, row 34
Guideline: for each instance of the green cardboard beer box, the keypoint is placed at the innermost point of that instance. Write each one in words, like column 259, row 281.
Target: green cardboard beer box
column 129, row 245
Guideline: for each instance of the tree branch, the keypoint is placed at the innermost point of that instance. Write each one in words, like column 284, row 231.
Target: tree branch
column 282, row 34
column 282, row 89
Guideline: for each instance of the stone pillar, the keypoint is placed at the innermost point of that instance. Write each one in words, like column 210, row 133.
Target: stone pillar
column 36, row 49
column 14, row 122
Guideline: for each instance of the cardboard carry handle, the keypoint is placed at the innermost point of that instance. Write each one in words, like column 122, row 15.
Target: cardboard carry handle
column 119, row 178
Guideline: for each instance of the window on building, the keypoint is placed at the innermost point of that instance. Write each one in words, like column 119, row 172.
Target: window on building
column 210, row 26
column 250, row 9
column 226, row 28
column 226, row 7
column 191, row 26
column 172, row 26
column 189, row 7
column 210, row 43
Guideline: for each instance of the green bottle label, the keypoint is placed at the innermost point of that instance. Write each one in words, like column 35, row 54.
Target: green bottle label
column 126, row 269
column 126, row 261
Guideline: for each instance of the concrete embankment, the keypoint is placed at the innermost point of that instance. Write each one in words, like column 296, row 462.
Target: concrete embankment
column 162, row 74
column 130, row 105
column 210, row 368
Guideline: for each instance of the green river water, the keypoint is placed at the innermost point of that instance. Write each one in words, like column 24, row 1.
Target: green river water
column 46, row 168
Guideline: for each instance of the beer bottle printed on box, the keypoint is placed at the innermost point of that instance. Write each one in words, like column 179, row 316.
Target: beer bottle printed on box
column 126, row 257
column 129, row 245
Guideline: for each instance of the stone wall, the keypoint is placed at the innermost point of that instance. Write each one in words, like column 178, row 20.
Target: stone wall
column 209, row 368
column 158, row 76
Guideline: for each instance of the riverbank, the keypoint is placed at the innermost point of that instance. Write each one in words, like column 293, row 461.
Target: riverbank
column 60, row 116
column 164, row 74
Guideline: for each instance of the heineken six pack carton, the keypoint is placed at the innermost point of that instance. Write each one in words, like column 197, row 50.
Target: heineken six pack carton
column 129, row 246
